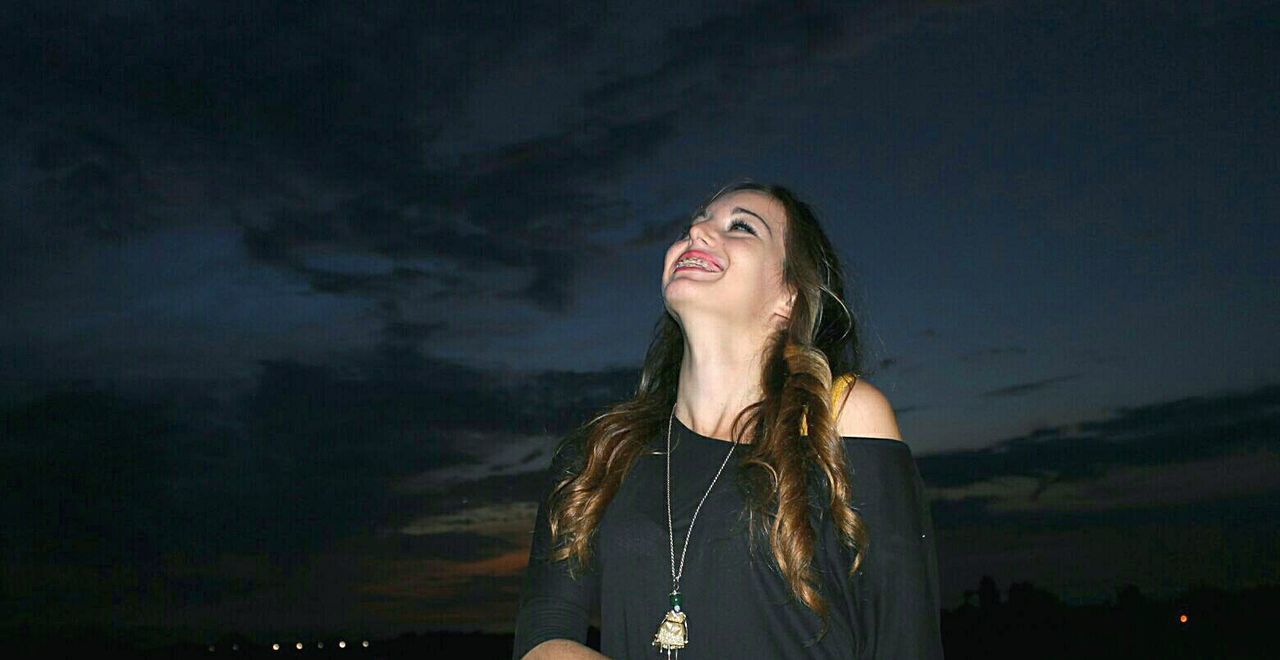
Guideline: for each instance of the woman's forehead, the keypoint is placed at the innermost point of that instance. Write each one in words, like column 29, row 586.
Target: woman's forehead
column 751, row 200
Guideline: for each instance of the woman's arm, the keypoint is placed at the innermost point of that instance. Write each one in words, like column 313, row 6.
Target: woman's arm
column 897, row 606
column 555, row 607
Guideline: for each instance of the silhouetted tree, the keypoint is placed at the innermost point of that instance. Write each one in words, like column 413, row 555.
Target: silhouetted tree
column 988, row 595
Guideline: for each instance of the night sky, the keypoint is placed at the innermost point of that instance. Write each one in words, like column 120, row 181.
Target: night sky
column 297, row 297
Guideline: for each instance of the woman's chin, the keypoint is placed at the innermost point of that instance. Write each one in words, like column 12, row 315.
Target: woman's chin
column 687, row 300
column 685, row 289
column 694, row 278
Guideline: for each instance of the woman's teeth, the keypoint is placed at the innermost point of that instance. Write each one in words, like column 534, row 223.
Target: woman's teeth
column 694, row 261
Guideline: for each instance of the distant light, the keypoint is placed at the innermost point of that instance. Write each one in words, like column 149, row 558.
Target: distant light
column 319, row 645
column 211, row 648
column 275, row 647
column 342, row 645
column 365, row 643
column 235, row 647
column 299, row 646
column 1182, row 618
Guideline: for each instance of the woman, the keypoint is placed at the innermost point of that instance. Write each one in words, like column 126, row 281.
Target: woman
column 744, row 503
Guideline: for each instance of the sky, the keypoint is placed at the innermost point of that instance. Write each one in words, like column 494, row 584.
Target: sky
column 296, row 299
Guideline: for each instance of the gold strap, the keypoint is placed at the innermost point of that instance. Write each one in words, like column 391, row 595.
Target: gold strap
column 838, row 388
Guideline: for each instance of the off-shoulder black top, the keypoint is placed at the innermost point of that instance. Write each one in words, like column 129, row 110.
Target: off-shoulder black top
column 738, row 604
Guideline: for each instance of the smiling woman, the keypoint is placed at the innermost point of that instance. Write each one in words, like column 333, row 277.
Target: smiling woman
column 754, row 499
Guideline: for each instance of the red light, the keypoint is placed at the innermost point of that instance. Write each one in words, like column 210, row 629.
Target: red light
column 1182, row 618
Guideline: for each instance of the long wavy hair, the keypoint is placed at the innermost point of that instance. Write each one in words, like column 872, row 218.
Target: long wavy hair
column 781, row 468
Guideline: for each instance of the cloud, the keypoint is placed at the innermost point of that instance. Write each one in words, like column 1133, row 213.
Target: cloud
column 507, row 454
column 91, row 183
column 1191, row 450
column 485, row 519
column 1022, row 389
column 789, row 45
column 1247, row 474
column 1154, row 495
column 311, row 139
column 367, row 136
column 91, row 470
column 447, row 582
column 146, row 474
column 390, row 477
column 493, row 214
column 455, row 545
column 992, row 353
column 386, row 456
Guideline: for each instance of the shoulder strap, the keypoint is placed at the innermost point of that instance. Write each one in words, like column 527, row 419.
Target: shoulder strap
column 838, row 387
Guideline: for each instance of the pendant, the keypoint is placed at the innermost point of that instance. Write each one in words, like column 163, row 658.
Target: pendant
column 673, row 632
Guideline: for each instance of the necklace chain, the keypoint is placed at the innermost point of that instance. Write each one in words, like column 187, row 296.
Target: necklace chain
column 671, row 536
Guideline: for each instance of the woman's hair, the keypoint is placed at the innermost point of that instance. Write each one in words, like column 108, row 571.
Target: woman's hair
column 781, row 466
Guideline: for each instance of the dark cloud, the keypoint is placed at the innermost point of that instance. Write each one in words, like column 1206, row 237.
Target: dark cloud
column 92, row 475
column 727, row 46
column 660, row 232
column 320, row 130
column 91, row 184
column 454, row 545
column 268, row 111
column 310, row 459
column 209, row 502
column 1022, row 389
column 496, row 211
column 1163, row 496
column 465, row 603
column 308, row 455
column 992, row 353
column 411, row 335
column 522, row 487
column 1165, row 434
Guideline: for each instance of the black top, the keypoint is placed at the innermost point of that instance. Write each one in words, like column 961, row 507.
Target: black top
column 738, row 605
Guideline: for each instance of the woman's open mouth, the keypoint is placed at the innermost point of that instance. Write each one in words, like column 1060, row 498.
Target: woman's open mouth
column 694, row 263
column 697, row 259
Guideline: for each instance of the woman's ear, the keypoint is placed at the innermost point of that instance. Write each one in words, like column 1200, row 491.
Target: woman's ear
column 784, row 306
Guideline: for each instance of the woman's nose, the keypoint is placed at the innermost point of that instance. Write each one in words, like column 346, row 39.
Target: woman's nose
column 700, row 230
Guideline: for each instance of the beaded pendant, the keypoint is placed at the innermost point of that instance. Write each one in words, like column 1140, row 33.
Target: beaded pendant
column 673, row 632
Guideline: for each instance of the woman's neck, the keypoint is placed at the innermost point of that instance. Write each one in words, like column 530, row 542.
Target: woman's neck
column 719, row 377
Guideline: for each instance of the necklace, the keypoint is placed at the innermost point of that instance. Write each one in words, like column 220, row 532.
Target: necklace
column 673, row 632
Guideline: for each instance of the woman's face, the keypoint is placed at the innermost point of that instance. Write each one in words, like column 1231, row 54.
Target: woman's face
column 740, row 239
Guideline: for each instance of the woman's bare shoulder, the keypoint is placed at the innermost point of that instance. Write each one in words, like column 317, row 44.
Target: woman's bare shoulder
column 865, row 412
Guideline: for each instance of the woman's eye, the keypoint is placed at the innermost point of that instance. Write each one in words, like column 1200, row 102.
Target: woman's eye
column 743, row 224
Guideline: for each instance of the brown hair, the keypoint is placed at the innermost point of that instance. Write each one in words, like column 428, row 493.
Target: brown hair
column 781, row 466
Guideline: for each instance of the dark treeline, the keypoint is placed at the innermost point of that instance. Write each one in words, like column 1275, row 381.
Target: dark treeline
column 1023, row 622
column 1030, row 622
